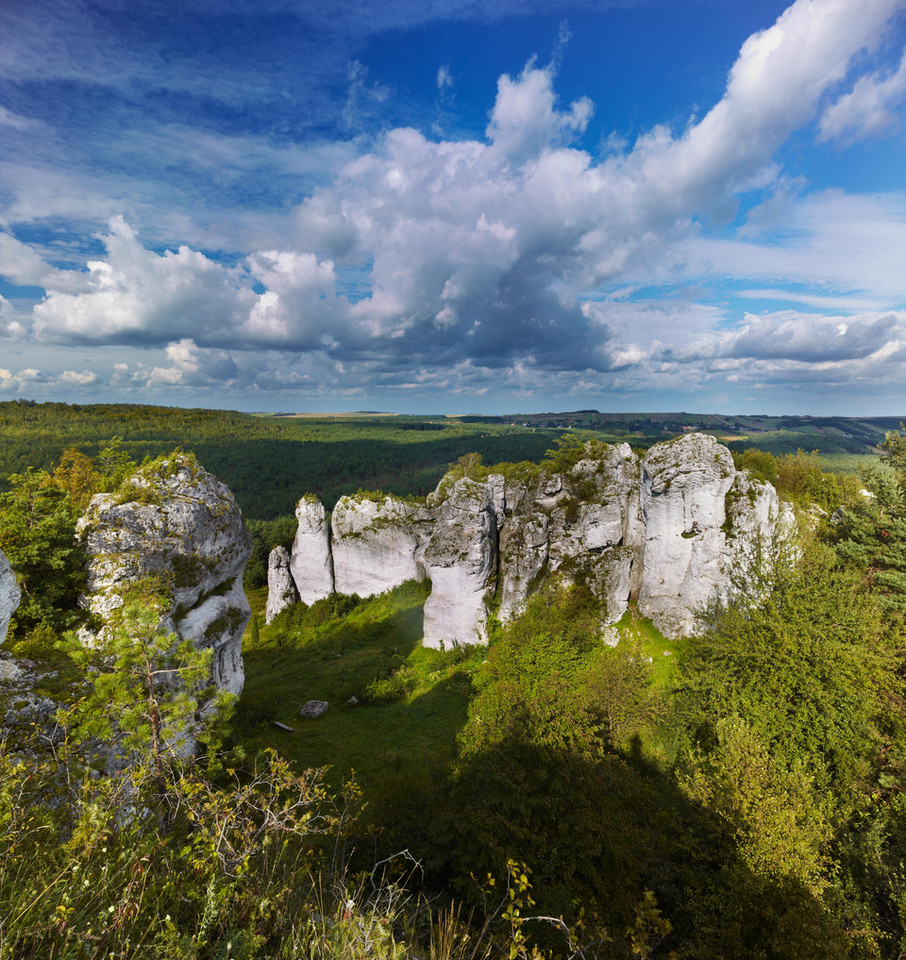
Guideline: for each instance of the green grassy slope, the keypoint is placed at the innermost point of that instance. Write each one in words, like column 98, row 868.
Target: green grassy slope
column 412, row 701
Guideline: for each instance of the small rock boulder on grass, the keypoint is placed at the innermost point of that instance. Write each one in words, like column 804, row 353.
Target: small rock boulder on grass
column 313, row 709
column 172, row 518
column 10, row 595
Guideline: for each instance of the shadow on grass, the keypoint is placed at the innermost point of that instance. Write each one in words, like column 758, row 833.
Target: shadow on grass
column 599, row 831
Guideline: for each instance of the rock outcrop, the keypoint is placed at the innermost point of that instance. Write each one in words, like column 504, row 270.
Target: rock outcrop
column 683, row 503
column 461, row 559
column 586, row 517
column 666, row 532
column 281, row 588
column 311, row 564
column 377, row 544
column 172, row 518
column 10, row 595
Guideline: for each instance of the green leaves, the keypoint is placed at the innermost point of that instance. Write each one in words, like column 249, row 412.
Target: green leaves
column 807, row 665
column 37, row 534
column 872, row 536
column 148, row 690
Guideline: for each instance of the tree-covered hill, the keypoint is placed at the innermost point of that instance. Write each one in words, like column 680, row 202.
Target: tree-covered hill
column 268, row 462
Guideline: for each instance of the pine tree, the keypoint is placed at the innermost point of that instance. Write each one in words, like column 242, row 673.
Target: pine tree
column 37, row 534
column 872, row 535
column 150, row 693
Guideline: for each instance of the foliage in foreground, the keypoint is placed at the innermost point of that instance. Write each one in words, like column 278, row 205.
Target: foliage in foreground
column 751, row 806
column 251, row 867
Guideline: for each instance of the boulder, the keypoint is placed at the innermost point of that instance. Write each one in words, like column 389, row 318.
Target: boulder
column 10, row 595
column 311, row 564
column 313, row 709
column 461, row 559
column 377, row 543
column 173, row 519
column 281, row 588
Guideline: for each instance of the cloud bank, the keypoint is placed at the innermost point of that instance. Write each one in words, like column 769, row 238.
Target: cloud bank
column 524, row 264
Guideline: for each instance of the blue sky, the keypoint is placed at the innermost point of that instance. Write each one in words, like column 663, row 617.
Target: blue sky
column 471, row 206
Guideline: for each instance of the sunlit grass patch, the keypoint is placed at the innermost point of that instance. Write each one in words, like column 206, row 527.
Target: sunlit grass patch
column 654, row 644
column 394, row 706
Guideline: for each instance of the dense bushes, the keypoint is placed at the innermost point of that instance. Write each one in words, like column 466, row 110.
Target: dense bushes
column 798, row 478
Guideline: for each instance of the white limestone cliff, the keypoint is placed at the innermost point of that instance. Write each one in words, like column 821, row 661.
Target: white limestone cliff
column 10, row 595
column 461, row 559
column 377, row 544
column 311, row 564
column 281, row 588
column 700, row 518
column 587, row 516
column 172, row 518
column 670, row 533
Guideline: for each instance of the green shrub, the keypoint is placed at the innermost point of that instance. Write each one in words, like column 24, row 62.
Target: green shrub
column 399, row 684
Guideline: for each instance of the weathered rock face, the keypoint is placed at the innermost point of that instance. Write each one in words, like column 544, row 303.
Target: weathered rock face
column 700, row 518
column 10, row 595
column 684, row 486
column 586, row 516
column 377, row 544
column 666, row 532
column 311, row 564
column 460, row 559
column 281, row 588
column 174, row 518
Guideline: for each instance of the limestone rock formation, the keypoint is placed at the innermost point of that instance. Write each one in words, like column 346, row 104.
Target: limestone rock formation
column 667, row 532
column 311, row 564
column 281, row 588
column 460, row 559
column 377, row 544
column 700, row 519
column 172, row 518
column 10, row 595
column 586, row 516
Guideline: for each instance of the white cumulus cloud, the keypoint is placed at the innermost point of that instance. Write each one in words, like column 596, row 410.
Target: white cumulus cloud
column 489, row 261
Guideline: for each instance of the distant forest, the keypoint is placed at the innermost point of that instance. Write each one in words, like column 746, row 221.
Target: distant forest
column 778, row 435
column 405, row 455
column 268, row 462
